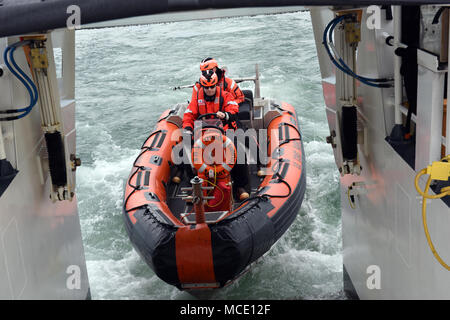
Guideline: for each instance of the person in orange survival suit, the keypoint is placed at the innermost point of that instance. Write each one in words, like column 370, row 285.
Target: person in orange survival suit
column 226, row 84
column 210, row 98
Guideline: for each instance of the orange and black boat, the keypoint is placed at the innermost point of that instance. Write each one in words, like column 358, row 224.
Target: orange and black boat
column 187, row 222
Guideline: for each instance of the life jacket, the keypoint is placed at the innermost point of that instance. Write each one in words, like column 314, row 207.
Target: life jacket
column 227, row 85
column 201, row 102
column 218, row 106
column 223, row 83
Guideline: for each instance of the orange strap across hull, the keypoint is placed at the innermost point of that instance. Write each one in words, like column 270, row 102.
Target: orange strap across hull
column 194, row 254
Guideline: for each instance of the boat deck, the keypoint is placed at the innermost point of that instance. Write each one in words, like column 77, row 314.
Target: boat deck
column 179, row 206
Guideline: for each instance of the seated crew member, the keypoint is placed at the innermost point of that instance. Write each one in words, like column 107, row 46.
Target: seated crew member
column 210, row 98
column 227, row 84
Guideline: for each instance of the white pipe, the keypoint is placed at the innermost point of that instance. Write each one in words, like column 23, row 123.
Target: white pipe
column 344, row 52
column 397, row 63
column 42, row 101
column 2, row 145
column 257, row 84
column 48, row 100
column 386, row 35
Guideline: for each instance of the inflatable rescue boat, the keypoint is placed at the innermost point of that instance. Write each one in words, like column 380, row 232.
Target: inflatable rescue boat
column 187, row 222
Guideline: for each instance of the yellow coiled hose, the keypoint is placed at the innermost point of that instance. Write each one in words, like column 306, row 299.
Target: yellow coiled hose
column 444, row 192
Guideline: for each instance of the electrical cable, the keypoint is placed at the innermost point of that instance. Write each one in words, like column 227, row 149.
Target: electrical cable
column 223, row 195
column 26, row 81
column 425, row 227
column 343, row 67
column 24, row 75
column 343, row 64
column 5, row 58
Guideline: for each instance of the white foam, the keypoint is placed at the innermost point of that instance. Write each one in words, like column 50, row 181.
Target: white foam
column 126, row 279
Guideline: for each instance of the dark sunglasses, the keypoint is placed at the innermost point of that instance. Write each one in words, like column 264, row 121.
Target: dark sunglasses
column 207, row 73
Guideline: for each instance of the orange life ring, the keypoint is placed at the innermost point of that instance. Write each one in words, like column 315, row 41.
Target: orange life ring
column 213, row 140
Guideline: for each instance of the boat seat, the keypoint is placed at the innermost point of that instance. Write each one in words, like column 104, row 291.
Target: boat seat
column 246, row 107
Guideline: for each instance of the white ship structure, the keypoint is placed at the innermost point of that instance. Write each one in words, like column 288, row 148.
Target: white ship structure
column 384, row 74
column 41, row 255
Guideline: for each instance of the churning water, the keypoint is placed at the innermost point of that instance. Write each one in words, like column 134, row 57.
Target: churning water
column 123, row 83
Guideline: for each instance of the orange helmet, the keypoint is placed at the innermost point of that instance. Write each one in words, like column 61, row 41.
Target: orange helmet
column 209, row 79
column 208, row 64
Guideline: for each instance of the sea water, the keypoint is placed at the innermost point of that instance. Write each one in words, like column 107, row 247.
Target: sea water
column 124, row 81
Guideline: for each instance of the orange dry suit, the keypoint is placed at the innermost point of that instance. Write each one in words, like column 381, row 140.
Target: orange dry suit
column 223, row 101
column 227, row 84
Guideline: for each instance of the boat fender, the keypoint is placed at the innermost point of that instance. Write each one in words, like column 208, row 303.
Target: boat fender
column 349, row 134
column 56, row 158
